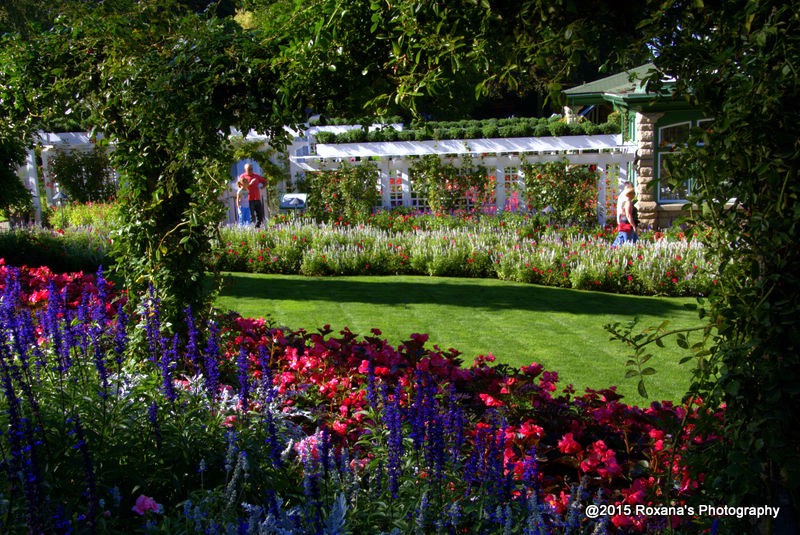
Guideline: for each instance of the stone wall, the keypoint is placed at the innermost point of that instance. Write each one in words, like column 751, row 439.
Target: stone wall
column 645, row 167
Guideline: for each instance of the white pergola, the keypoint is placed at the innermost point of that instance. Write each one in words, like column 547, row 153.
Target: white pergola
column 502, row 157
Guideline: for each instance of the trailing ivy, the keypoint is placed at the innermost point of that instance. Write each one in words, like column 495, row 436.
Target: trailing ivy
column 447, row 187
column 349, row 193
column 568, row 192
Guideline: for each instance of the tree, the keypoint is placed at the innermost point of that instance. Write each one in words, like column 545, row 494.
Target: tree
column 14, row 196
column 738, row 61
column 165, row 85
column 446, row 60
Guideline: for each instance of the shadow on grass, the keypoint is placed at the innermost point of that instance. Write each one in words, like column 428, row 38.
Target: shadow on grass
column 472, row 293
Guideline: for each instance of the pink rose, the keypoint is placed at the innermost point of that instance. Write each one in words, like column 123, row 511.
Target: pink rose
column 145, row 504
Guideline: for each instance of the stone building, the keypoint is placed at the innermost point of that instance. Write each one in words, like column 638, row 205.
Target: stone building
column 657, row 124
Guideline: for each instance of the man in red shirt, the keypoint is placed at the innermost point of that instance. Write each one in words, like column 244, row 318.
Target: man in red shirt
column 252, row 181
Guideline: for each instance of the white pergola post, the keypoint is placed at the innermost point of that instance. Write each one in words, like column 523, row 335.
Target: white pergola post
column 30, row 178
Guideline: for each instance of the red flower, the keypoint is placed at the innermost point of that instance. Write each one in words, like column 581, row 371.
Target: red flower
column 490, row 401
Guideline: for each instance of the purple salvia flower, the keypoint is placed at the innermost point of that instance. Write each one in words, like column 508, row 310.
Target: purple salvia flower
column 266, row 374
column 530, row 470
column 421, row 513
column 167, row 365
column 325, row 450
column 83, row 320
column 152, row 416
column 392, row 416
column 495, row 469
column 88, row 472
column 244, row 377
column 192, row 348
column 20, row 464
column 372, row 396
column 272, row 440
column 211, row 360
column 417, row 412
column 61, row 521
column 454, row 424
column 95, row 335
column 435, row 448
column 99, row 301
column 120, row 336
column 155, row 342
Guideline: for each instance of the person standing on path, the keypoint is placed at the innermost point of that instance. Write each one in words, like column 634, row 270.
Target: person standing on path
column 626, row 221
column 253, row 182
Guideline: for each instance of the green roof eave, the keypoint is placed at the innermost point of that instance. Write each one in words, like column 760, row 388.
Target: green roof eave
column 624, row 82
column 648, row 102
column 626, row 90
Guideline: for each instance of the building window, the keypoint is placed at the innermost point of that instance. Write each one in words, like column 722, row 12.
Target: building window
column 671, row 139
column 417, row 198
column 511, row 189
column 395, row 188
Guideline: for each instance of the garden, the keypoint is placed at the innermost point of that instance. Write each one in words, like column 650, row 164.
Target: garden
column 131, row 404
column 117, row 422
column 262, row 430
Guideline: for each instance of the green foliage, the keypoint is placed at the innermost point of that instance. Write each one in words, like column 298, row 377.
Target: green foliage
column 100, row 217
column 15, row 200
column 488, row 128
column 642, row 343
column 448, row 188
column 84, row 176
column 349, row 193
column 71, row 250
column 736, row 61
column 570, row 191
column 166, row 85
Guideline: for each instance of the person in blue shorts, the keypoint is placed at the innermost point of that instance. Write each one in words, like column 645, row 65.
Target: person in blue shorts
column 626, row 221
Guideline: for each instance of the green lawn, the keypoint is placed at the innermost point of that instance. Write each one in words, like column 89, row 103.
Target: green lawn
column 518, row 323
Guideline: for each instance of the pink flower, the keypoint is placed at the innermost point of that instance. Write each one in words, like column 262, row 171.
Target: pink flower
column 533, row 370
column 489, row 401
column 569, row 445
column 145, row 504
column 229, row 421
column 340, row 427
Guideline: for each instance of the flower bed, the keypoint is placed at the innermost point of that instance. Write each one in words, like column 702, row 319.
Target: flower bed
column 239, row 426
column 509, row 249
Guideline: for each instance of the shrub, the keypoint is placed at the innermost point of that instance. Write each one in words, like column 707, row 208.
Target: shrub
column 68, row 250
column 349, row 193
column 98, row 216
column 490, row 131
column 85, row 176
column 570, row 191
column 558, row 128
column 325, row 137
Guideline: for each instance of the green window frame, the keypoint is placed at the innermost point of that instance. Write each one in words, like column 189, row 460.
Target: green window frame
column 671, row 139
